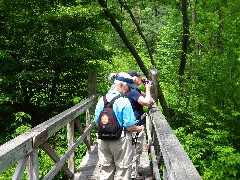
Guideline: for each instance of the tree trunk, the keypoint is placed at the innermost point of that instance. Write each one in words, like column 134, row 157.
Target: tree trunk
column 124, row 37
column 135, row 54
column 138, row 29
column 185, row 38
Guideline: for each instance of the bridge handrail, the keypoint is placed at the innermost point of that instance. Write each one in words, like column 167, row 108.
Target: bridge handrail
column 165, row 148
column 25, row 145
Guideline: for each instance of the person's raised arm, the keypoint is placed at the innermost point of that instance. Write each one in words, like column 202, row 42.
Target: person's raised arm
column 144, row 100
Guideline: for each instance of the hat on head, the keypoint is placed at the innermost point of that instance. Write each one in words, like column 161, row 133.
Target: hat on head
column 134, row 73
column 125, row 77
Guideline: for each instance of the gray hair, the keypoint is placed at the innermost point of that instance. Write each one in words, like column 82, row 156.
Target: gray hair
column 123, row 77
column 112, row 77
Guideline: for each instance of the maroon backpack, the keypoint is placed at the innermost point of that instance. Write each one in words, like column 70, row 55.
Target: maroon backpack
column 108, row 125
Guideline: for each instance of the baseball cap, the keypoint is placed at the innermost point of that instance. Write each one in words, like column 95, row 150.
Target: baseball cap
column 125, row 77
column 134, row 73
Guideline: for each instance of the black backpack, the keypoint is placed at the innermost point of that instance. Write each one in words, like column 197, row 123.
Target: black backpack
column 108, row 125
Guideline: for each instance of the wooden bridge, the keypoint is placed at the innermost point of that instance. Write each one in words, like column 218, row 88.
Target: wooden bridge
column 168, row 158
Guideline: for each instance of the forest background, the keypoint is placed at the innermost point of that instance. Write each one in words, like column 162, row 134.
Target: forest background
column 49, row 47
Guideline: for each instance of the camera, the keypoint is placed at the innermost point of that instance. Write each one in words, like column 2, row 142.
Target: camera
column 146, row 81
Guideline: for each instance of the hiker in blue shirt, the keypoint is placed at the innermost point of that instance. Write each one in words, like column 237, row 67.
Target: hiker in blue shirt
column 116, row 155
column 138, row 99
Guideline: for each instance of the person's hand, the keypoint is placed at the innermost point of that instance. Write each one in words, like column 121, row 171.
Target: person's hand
column 140, row 129
column 148, row 86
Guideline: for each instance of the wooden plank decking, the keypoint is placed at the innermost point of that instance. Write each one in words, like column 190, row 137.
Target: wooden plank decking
column 89, row 168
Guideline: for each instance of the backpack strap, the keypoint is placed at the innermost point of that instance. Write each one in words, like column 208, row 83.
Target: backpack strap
column 105, row 101
column 113, row 100
column 109, row 104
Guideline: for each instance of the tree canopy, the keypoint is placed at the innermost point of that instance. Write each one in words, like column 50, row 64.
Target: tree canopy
column 48, row 48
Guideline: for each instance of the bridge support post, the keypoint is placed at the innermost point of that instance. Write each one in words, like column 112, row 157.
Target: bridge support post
column 153, row 75
column 92, row 89
column 164, row 173
column 88, row 122
column 70, row 136
column 33, row 165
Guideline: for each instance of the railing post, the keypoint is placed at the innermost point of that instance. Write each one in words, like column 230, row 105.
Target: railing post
column 22, row 163
column 88, row 122
column 92, row 83
column 153, row 75
column 92, row 86
column 92, row 89
column 149, row 130
column 164, row 173
column 33, row 165
column 70, row 137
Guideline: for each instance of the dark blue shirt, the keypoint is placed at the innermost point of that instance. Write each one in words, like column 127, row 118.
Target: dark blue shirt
column 133, row 95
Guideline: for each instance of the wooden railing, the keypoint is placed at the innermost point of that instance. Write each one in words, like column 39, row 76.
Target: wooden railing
column 165, row 150
column 24, row 148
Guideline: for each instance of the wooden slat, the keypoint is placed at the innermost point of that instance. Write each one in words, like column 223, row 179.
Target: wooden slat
column 149, row 129
column 51, row 153
column 60, row 163
column 156, row 173
column 88, row 122
column 70, row 137
column 178, row 165
column 89, row 167
column 22, row 163
column 80, row 129
column 144, row 167
column 33, row 165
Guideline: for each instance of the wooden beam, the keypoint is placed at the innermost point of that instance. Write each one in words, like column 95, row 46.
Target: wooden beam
column 33, row 165
column 80, row 129
column 22, row 163
column 61, row 162
column 14, row 150
column 156, row 173
column 178, row 164
column 149, row 129
column 70, row 137
column 53, row 155
column 40, row 138
column 88, row 122
column 153, row 75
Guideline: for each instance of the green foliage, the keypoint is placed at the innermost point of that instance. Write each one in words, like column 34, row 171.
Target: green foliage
column 208, row 151
column 48, row 50
column 206, row 109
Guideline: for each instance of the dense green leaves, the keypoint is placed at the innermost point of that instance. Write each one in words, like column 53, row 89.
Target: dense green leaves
column 46, row 54
column 47, row 49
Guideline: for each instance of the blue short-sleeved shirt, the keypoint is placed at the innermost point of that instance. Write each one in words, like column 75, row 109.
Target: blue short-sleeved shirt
column 133, row 95
column 122, row 108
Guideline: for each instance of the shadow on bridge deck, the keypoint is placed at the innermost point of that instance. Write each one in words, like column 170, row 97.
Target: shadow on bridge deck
column 89, row 168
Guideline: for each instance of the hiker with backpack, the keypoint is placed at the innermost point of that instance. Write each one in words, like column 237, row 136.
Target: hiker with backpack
column 115, row 119
column 139, row 99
